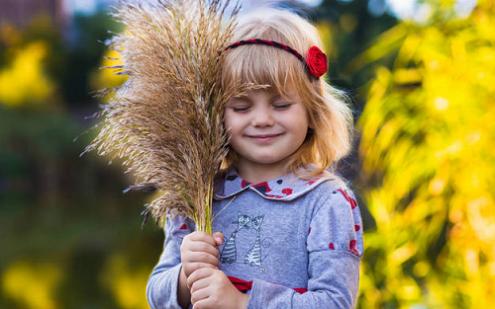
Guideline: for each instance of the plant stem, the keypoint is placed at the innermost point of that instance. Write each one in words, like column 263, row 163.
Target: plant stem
column 204, row 220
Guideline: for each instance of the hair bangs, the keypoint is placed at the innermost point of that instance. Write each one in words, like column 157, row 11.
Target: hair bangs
column 263, row 66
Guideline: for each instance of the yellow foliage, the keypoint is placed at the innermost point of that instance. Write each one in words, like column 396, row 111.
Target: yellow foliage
column 106, row 76
column 32, row 285
column 428, row 160
column 24, row 80
column 127, row 285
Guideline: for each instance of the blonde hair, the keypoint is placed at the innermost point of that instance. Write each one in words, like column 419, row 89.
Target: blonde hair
column 330, row 118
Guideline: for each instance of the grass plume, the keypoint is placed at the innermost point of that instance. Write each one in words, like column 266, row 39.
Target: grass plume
column 166, row 121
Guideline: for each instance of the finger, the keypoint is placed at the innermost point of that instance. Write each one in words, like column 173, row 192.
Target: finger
column 205, row 303
column 201, row 284
column 199, row 295
column 198, row 275
column 218, row 237
column 201, row 257
column 189, row 268
column 201, row 236
column 201, row 246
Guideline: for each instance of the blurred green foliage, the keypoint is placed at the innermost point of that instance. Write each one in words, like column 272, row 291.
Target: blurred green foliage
column 428, row 161
column 85, row 55
column 422, row 93
column 70, row 238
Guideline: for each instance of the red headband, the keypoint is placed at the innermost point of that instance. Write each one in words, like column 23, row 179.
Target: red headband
column 315, row 62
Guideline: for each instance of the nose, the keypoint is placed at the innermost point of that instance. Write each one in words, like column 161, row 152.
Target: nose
column 262, row 117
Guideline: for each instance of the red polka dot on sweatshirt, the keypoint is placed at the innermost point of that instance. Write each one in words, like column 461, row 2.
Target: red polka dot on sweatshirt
column 300, row 290
column 264, row 187
column 331, row 246
column 183, row 227
column 357, row 227
column 287, row 191
column 312, row 181
column 353, row 248
column 244, row 183
column 348, row 198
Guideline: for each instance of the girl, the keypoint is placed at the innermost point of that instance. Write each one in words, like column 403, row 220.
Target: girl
column 293, row 233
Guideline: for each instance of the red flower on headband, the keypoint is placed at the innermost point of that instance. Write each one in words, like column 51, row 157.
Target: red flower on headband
column 316, row 61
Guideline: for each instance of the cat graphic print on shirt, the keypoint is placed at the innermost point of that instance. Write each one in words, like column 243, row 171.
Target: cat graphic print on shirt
column 253, row 256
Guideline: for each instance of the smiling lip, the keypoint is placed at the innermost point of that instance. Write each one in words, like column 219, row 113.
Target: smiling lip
column 264, row 138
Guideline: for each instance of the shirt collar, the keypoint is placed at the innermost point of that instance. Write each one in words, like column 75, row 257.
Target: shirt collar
column 284, row 188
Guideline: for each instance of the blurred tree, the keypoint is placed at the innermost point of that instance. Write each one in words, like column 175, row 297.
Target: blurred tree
column 126, row 282
column 67, row 62
column 347, row 29
column 24, row 81
column 351, row 28
column 37, row 72
column 35, row 133
column 27, row 60
column 428, row 162
column 30, row 60
column 32, row 284
column 54, row 205
column 84, row 56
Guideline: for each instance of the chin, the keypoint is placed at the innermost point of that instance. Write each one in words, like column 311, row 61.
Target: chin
column 267, row 160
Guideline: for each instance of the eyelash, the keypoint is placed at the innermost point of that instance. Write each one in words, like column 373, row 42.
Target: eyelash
column 276, row 106
column 282, row 106
column 240, row 109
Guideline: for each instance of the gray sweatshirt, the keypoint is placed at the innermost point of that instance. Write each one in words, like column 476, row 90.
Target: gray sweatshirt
column 289, row 243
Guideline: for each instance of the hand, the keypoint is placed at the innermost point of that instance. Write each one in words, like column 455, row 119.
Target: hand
column 210, row 288
column 199, row 250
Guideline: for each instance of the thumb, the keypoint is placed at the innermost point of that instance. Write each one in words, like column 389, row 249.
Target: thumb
column 218, row 237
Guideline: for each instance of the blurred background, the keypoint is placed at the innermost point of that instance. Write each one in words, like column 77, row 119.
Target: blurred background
column 421, row 76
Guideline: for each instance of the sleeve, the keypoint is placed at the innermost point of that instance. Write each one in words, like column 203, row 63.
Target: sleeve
column 335, row 246
column 162, row 287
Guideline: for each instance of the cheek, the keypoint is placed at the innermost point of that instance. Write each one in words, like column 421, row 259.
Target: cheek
column 301, row 134
column 300, row 128
column 298, row 121
column 229, row 123
column 232, row 119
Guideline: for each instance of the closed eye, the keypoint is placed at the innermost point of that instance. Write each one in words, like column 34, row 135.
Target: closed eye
column 240, row 109
column 282, row 106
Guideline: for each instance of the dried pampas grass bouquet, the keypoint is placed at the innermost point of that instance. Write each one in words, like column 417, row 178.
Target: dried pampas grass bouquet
column 165, row 123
